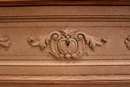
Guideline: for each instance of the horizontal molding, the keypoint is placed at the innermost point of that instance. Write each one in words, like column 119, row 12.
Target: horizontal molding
column 43, row 25
column 87, row 57
column 65, row 10
column 66, row 18
column 64, row 70
column 62, row 2
column 83, row 80
column 64, row 62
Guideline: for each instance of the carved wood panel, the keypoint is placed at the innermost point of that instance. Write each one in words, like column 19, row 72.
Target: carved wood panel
column 90, row 27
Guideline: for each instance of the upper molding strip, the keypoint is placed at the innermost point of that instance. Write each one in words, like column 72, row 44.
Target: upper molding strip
column 63, row 2
column 66, row 18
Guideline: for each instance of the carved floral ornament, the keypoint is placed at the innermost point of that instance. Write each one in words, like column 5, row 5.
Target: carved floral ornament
column 127, row 42
column 67, row 43
column 5, row 42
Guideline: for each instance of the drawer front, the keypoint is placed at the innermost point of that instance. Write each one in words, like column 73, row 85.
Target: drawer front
column 65, row 45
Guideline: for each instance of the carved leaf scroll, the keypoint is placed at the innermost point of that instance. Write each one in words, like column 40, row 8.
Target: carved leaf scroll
column 5, row 42
column 127, row 42
column 67, row 43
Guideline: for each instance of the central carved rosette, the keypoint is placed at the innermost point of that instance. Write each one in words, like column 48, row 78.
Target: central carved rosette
column 67, row 47
column 67, row 43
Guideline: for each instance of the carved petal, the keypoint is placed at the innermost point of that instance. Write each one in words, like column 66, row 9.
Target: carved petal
column 5, row 41
column 33, row 42
column 127, row 42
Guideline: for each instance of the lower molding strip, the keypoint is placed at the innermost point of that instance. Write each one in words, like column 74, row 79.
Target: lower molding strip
column 60, row 80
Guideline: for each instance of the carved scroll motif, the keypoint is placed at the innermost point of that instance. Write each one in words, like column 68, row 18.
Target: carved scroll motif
column 67, row 43
column 127, row 42
column 5, row 42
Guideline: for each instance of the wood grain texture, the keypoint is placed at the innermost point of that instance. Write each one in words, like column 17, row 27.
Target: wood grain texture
column 62, row 2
